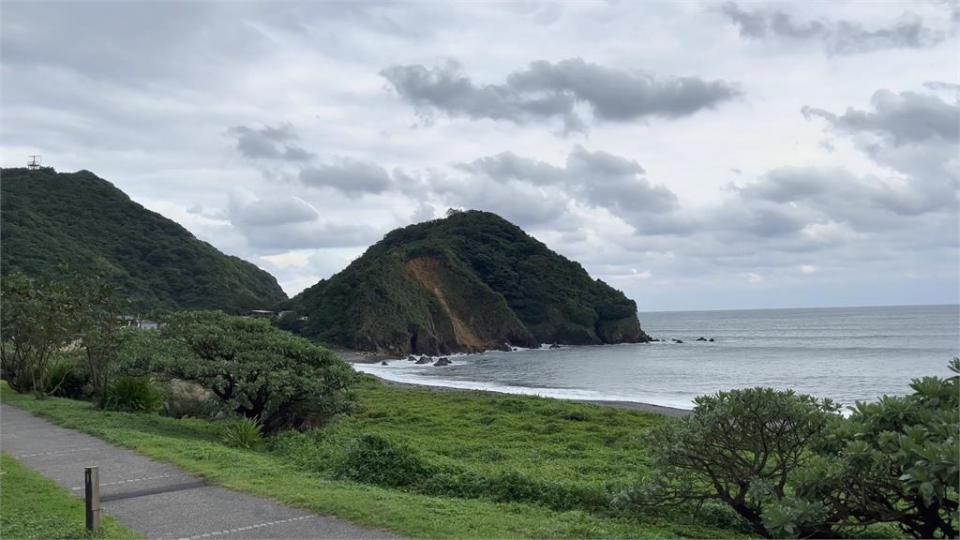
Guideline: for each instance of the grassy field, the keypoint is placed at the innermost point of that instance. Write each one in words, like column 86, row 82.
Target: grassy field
column 33, row 507
column 424, row 464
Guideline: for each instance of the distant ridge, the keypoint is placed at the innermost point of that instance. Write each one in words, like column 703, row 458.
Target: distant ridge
column 80, row 220
column 470, row 282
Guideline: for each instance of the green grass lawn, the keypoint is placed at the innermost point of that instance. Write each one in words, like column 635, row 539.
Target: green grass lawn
column 423, row 464
column 33, row 507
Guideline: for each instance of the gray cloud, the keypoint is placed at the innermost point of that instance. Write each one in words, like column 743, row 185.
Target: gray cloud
column 277, row 224
column 310, row 235
column 444, row 88
column 598, row 179
column 348, row 176
column 271, row 211
column 865, row 204
column 552, row 90
column 269, row 143
column 839, row 37
column 521, row 203
column 942, row 86
column 755, row 219
column 788, row 209
column 617, row 183
column 915, row 135
column 903, row 118
column 509, row 166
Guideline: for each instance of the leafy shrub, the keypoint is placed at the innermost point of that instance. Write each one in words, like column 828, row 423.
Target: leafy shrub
column 258, row 371
column 740, row 447
column 133, row 394
column 791, row 467
column 376, row 459
column 67, row 378
column 242, row 433
column 899, row 461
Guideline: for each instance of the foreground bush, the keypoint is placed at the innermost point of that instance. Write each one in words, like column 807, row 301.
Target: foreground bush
column 790, row 466
column 900, row 462
column 739, row 447
column 258, row 371
column 375, row 459
column 384, row 461
column 242, row 433
column 68, row 377
column 133, row 394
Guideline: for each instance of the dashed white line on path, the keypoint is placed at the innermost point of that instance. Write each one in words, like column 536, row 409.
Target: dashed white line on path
column 56, row 453
column 247, row 528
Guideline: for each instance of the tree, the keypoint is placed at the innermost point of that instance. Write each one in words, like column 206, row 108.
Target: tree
column 261, row 372
column 99, row 319
column 741, row 447
column 899, row 463
column 790, row 466
column 38, row 319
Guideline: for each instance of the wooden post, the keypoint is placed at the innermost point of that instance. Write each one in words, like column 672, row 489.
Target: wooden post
column 91, row 486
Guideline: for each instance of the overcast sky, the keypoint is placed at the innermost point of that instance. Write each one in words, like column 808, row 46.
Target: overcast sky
column 695, row 155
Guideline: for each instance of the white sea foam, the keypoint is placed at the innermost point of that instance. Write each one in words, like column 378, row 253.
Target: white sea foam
column 403, row 371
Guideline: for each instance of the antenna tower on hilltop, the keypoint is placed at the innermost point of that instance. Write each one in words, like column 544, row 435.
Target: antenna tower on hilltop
column 34, row 163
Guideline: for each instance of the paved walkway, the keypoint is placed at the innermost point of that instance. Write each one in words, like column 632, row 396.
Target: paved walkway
column 157, row 500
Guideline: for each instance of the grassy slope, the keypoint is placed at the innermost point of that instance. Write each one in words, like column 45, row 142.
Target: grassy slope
column 547, row 440
column 33, row 507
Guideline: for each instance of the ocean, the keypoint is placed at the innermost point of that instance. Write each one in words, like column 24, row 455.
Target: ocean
column 846, row 354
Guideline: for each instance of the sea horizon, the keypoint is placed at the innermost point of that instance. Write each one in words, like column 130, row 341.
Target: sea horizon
column 703, row 310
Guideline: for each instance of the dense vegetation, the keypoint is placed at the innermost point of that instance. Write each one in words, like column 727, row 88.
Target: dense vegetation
column 51, row 219
column 37, row 319
column 506, row 466
column 257, row 371
column 790, row 466
column 34, row 507
column 67, row 338
column 468, row 282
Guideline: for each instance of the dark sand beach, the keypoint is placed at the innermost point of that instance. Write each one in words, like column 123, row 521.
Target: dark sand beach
column 362, row 357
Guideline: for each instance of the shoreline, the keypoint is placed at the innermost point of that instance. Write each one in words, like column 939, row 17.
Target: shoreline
column 637, row 406
column 368, row 357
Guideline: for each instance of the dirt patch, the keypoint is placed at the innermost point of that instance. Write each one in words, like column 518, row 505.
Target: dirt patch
column 427, row 273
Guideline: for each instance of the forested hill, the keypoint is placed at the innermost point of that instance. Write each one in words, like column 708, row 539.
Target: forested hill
column 84, row 222
column 469, row 282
